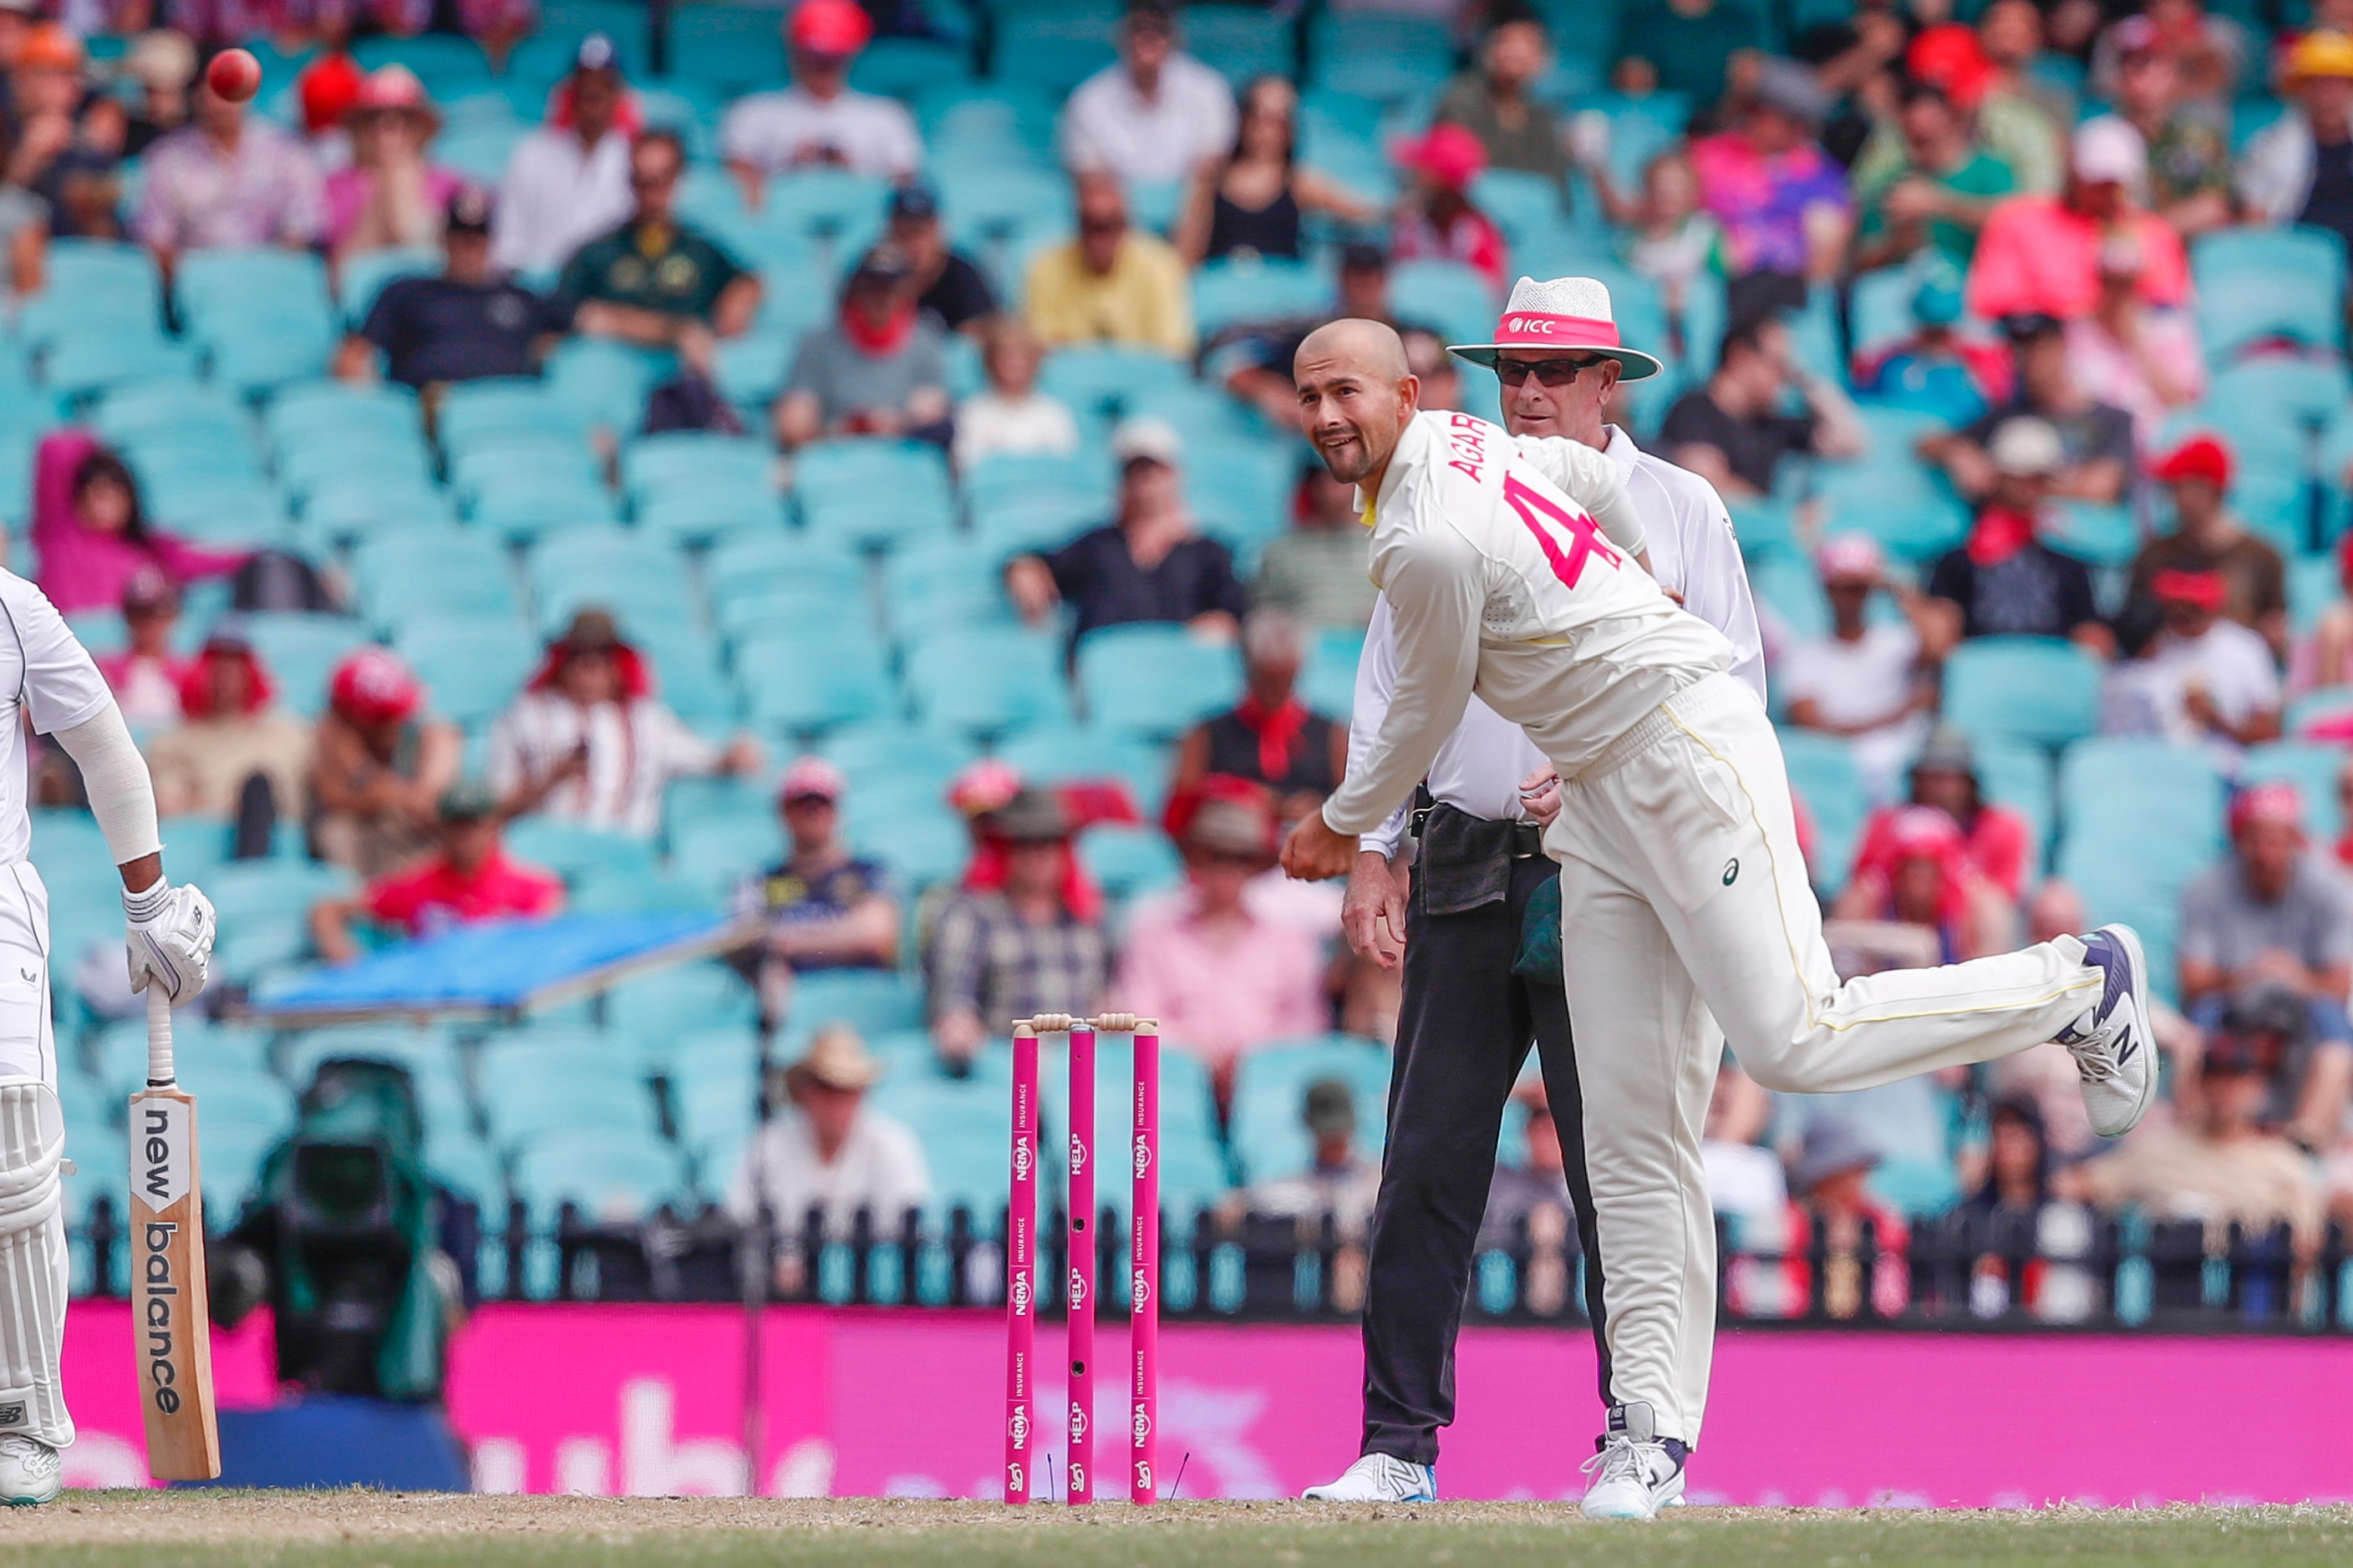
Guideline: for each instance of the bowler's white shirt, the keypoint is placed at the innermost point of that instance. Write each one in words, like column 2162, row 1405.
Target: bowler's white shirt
column 777, row 131
column 1108, row 124
column 557, row 196
column 1693, row 549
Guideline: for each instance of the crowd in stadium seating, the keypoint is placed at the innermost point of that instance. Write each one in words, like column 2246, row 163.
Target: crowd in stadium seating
column 905, row 419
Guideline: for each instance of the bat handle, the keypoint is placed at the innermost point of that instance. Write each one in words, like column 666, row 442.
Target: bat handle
column 159, row 1038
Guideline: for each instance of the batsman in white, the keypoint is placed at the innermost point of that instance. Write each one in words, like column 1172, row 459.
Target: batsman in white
column 48, row 679
column 1682, row 890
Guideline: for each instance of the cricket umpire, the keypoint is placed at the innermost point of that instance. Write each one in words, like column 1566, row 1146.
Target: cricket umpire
column 1467, row 1016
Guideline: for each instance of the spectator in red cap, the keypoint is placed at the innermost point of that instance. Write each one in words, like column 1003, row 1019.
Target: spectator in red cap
column 819, row 120
column 2273, row 913
column 1436, row 220
column 1937, row 196
column 2206, row 537
column 379, row 765
column 1916, row 870
column 588, row 743
column 2205, row 681
column 824, row 907
column 1157, row 113
column 469, row 880
column 146, row 677
column 236, row 755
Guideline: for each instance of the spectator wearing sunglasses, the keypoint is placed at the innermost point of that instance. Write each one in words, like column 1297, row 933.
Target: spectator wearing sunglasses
column 1113, row 283
column 1732, row 431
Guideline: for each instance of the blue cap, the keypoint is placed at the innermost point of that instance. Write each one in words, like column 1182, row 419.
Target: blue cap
column 1936, row 302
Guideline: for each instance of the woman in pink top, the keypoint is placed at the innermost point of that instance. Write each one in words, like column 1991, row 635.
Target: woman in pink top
column 389, row 197
column 91, row 535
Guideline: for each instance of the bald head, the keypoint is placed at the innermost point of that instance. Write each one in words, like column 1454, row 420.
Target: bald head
column 1355, row 395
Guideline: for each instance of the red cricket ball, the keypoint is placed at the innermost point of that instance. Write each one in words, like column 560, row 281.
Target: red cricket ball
column 234, row 75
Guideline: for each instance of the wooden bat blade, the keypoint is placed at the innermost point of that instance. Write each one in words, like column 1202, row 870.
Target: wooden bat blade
column 171, row 1315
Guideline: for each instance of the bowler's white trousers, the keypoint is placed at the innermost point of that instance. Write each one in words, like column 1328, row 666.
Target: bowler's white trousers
column 1683, row 895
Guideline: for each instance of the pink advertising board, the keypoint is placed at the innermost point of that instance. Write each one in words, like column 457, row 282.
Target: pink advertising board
column 647, row 1400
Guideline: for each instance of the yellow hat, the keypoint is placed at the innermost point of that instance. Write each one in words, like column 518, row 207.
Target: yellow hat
column 2320, row 54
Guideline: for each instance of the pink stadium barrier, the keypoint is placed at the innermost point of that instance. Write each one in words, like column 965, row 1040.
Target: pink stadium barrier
column 644, row 1399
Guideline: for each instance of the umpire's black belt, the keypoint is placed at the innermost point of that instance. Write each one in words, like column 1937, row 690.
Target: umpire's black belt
column 1466, row 861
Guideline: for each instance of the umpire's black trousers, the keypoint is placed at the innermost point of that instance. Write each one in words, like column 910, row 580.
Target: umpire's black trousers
column 1463, row 1030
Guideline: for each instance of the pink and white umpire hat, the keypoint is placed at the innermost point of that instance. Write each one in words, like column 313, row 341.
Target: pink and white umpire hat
column 1571, row 314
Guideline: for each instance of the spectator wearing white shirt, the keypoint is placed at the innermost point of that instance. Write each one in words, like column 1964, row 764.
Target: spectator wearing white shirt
column 1865, row 681
column 588, row 743
column 2207, row 680
column 1156, row 114
column 831, row 1154
column 1011, row 418
column 567, row 182
column 819, row 120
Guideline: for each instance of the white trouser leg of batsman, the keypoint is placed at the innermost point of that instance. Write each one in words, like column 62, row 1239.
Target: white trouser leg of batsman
column 1684, row 829
column 33, row 1424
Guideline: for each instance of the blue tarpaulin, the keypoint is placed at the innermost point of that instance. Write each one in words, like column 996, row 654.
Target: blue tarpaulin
column 503, row 966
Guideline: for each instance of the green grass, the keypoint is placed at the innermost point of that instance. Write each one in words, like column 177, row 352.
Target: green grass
column 358, row 1531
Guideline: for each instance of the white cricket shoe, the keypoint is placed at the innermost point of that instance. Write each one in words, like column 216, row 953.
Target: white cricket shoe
column 2115, row 1054
column 1639, row 1475
column 29, row 1471
column 1380, row 1478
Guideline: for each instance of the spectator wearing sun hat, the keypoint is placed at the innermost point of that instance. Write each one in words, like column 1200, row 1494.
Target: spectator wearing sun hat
column 830, row 1154
column 235, row 754
column 390, row 196
column 819, row 120
column 379, row 765
column 2299, row 168
column 824, row 907
column 1436, row 220
column 590, row 744
column 2207, row 537
column 1111, row 282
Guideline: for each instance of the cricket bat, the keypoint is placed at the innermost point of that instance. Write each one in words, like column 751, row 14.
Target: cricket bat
column 170, row 1312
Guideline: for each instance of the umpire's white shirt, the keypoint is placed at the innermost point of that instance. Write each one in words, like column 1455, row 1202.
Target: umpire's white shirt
column 1693, row 550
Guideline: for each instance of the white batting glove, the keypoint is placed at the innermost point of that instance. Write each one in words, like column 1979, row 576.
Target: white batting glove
column 171, row 939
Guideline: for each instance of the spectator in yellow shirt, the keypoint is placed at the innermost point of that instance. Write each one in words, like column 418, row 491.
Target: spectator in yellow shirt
column 1112, row 284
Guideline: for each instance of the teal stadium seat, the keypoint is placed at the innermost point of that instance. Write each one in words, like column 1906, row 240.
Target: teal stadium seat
column 987, row 679
column 302, row 650
column 1271, row 1084
column 806, row 679
column 2043, row 690
column 443, row 571
column 1822, row 776
column 2257, row 283
column 1154, row 680
column 474, row 666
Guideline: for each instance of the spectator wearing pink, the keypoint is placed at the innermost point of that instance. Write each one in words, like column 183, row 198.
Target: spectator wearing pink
column 1781, row 200
column 389, row 197
column 228, row 180
column 2142, row 358
column 1915, row 868
column 1436, row 220
column 92, row 535
column 2040, row 255
column 146, row 677
column 1945, row 775
column 1221, row 979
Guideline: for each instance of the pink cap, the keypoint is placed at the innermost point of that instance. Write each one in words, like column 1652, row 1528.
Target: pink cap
column 836, row 28
column 812, row 777
column 1448, row 154
column 1849, row 556
column 985, row 786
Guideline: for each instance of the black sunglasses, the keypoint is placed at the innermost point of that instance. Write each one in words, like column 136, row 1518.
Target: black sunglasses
column 1548, row 372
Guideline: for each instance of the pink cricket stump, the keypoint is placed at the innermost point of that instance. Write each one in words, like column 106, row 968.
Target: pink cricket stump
column 1144, row 1273
column 1082, row 1251
column 1021, row 1270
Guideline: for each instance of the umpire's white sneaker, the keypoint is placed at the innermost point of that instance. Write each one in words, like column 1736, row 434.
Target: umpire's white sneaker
column 1380, row 1478
column 1639, row 1475
column 29, row 1471
column 2113, row 1053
